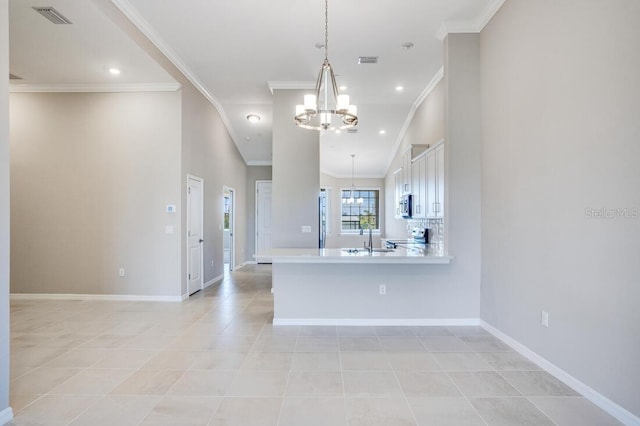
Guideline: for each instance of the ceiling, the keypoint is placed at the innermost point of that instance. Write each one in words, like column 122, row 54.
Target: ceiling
column 236, row 50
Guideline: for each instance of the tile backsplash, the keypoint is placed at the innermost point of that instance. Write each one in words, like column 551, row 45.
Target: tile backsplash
column 435, row 227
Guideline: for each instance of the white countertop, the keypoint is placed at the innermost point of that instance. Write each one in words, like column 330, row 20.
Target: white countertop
column 397, row 256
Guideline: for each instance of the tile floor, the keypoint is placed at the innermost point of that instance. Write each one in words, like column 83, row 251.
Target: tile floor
column 217, row 360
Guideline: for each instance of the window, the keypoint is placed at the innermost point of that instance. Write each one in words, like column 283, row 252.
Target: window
column 360, row 210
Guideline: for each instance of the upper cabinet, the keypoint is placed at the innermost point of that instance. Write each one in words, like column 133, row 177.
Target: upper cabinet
column 435, row 182
column 407, row 157
column 419, row 186
column 399, row 190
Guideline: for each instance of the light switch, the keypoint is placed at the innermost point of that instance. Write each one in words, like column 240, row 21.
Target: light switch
column 306, row 229
column 168, row 229
column 171, row 208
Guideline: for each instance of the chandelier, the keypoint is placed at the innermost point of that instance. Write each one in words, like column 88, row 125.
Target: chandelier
column 326, row 110
column 351, row 199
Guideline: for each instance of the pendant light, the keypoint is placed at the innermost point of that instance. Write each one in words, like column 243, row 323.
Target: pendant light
column 351, row 199
column 326, row 110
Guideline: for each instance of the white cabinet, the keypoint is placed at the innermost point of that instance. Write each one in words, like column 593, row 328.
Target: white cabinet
column 419, row 186
column 435, row 182
column 407, row 157
column 399, row 190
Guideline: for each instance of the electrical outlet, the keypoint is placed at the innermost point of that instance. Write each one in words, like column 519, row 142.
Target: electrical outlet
column 121, row 272
column 544, row 319
column 383, row 289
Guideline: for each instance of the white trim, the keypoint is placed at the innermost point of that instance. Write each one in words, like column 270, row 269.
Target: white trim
column 250, row 262
column 378, row 321
column 412, row 112
column 94, row 88
column 470, row 26
column 145, row 28
column 213, row 281
column 260, row 163
column 291, row 85
column 6, row 416
column 109, row 297
column 592, row 395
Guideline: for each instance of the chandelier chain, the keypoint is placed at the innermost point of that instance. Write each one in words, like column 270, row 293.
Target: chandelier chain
column 326, row 29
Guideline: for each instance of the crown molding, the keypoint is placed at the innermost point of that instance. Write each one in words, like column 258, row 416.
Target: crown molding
column 97, row 88
column 147, row 30
column 290, row 85
column 260, row 163
column 471, row 26
column 412, row 112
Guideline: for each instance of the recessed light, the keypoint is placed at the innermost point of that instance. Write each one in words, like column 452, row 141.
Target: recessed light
column 338, row 131
column 382, row 132
column 253, row 118
column 343, row 88
column 399, row 88
column 247, row 138
column 114, row 71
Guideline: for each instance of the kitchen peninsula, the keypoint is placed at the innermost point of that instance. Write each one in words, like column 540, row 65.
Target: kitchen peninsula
column 404, row 286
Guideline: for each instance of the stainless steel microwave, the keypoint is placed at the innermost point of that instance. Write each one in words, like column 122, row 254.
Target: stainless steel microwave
column 406, row 206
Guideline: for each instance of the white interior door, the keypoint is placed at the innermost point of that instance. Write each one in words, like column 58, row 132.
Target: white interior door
column 263, row 216
column 229, row 227
column 195, row 236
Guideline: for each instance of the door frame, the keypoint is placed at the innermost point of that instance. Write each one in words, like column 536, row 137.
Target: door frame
column 255, row 213
column 232, row 226
column 199, row 179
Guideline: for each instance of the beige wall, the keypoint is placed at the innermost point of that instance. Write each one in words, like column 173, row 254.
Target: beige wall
column 334, row 239
column 91, row 174
column 427, row 127
column 209, row 153
column 561, row 108
column 4, row 209
column 254, row 173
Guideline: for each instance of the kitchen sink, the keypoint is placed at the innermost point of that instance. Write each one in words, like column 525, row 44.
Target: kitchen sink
column 364, row 250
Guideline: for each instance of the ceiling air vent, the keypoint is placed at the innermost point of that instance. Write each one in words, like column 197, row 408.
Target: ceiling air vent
column 352, row 131
column 367, row 59
column 53, row 15
column 14, row 77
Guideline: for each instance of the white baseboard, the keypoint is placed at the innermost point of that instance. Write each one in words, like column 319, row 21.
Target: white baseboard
column 377, row 321
column 597, row 398
column 212, row 281
column 109, row 297
column 6, row 416
column 250, row 262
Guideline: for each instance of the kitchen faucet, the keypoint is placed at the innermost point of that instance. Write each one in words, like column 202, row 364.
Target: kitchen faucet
column 370, row 246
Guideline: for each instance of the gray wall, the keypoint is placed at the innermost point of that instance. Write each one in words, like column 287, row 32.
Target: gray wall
column 4, row 206
column 254, row 173
column 91, row 174
column 296, row 175
column 209, row 153
column 561, row 108
column 427, row 127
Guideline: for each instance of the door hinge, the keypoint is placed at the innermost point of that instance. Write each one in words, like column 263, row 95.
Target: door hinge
column 189, row 190
column 189, row 276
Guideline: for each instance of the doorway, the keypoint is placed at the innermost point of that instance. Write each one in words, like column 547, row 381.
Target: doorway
column 195, row 236
column 228, row 239
column 263, row 216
